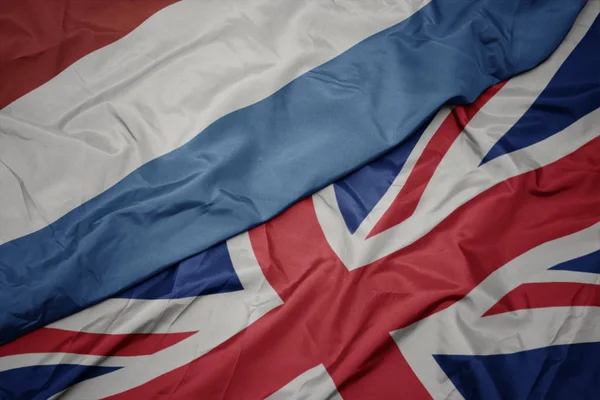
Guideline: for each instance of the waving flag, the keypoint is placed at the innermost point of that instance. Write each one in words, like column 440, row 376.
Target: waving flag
column 464, row 263
column 211, row 117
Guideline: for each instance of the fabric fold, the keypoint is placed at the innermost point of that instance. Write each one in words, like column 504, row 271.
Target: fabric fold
column 251, row 164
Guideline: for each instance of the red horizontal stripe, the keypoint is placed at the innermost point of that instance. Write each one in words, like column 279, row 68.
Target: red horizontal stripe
column 552, row 294
column 407, row 200
column 40, row 38
column 50, row 340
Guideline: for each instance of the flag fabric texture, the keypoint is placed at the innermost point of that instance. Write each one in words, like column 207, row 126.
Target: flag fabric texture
column 447, row 161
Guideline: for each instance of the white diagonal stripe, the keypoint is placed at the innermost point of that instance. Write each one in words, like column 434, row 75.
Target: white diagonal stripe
column 459, row 178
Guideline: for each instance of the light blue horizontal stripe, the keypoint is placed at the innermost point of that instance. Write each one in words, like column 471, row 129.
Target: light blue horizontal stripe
column 251, row 164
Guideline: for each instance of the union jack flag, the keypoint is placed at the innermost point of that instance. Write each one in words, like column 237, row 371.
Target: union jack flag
column 463, row 264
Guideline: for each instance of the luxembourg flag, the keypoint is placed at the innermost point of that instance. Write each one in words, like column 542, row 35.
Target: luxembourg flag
column 442, row 155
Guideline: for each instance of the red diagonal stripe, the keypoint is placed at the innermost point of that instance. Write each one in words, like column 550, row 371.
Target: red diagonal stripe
column 407, row 200
column 50, row 340
column 39, row 39
column 548, row 294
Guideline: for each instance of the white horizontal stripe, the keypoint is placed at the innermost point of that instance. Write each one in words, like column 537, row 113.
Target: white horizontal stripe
column 459, row 178
column 316, row 383
column 460, row 329
column 157, row 88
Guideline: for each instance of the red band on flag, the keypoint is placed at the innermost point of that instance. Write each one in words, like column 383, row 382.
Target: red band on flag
column 42, row 38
